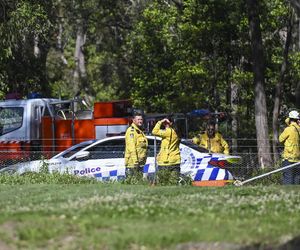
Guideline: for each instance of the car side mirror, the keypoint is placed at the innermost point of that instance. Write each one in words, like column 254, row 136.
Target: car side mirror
column 81, row 155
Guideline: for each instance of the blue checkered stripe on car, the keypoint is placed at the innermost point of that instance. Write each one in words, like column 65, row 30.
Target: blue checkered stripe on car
column 119, row 174
column 203, row 162
column 207, row 172
column 189, row 160
column 202, row 172
column 147, row 169
column 212, row 174
column 113, row 175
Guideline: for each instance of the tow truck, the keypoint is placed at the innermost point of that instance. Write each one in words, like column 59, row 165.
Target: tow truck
column 45, row 126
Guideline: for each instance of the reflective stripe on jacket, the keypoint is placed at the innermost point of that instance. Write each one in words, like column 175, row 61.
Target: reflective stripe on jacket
column 291, row 139
column 217, row 144
column 169, row 154
column 136, row 147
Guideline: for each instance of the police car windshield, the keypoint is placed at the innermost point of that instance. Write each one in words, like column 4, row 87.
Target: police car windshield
column 193, row 146
column 74, row 149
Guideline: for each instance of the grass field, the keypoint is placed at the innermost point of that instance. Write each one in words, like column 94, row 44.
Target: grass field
column 119, row 216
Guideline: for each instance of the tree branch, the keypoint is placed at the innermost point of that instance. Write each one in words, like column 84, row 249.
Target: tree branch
column 296, row 5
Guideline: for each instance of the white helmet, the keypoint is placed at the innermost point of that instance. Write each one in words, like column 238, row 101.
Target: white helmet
column 294, row 114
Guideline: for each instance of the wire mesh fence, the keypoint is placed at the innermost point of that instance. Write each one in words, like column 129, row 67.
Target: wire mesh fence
column 248, row 166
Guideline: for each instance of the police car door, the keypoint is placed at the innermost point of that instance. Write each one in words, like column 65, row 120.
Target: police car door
column 105, row 160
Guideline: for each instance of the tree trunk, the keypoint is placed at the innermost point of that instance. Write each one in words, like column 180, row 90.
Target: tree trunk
column 79, row 74
column 261, row 121
column 36, row 48
column 60, row 46
column 234, row 110
column 298, row 95
column 278, row 91
column 296, row 5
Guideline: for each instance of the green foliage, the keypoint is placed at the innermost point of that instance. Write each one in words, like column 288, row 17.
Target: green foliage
column 135, row 179
column 163, row 178
column 28, row 18
column 293, row 87
column 24, row 22
column 152, row 58
column 105, row 25
column 167, row 178
column 103, row 74
column 180, row 59
column 273, row 179
column 165, row 56
column 44, row 177
column 295, row 62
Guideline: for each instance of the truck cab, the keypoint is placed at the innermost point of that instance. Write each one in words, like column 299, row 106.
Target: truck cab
column 20, row 126
column 20, row 120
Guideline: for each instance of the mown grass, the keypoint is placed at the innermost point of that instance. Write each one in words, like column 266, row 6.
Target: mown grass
column 71, row 213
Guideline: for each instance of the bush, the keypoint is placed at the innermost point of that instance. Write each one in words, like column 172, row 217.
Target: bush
column 162, row 178
column 267, row 180
column 44, row 177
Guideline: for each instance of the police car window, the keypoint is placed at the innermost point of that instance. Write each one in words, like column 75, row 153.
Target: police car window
column 11, row 118
column 73, row 151
column 108, row 150
column 151, row 148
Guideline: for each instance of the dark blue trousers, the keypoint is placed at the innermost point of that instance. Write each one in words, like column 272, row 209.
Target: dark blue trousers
column 291, row 175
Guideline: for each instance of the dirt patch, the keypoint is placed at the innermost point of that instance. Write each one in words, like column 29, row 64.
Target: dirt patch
column 66, row 242
column 4, row 246
column 9, row 230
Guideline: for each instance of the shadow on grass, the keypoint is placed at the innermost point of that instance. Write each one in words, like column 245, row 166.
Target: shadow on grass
column 293, row 244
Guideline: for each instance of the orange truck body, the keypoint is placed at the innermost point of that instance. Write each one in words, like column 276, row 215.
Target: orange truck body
column 38, row 127
column 83, row 130
column 107, row 119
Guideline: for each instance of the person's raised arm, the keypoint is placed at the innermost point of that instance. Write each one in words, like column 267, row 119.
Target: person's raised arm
column 157, row 128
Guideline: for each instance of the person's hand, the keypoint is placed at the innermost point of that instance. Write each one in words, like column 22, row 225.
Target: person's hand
column 165, row 121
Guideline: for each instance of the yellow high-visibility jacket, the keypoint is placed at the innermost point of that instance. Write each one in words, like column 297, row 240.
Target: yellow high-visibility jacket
column 291, row 139
column 169, row 154
column 136, row 145
column 217, row 144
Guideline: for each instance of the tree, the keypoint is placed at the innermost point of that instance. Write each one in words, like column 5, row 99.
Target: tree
column 261, row 119
column 92, row 38
column 180, row 55
column 25, row 30
column 296, row 6
column 279, row 87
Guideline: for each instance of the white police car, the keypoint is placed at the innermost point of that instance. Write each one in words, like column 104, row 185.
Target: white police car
column 104, row 160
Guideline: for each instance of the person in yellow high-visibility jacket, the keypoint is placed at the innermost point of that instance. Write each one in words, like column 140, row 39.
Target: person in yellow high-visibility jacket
column 168, row 157
column 136, row 145
column 290, row 137
column 212, row 140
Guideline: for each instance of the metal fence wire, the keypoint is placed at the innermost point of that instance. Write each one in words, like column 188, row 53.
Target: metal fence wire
column 247, row 167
